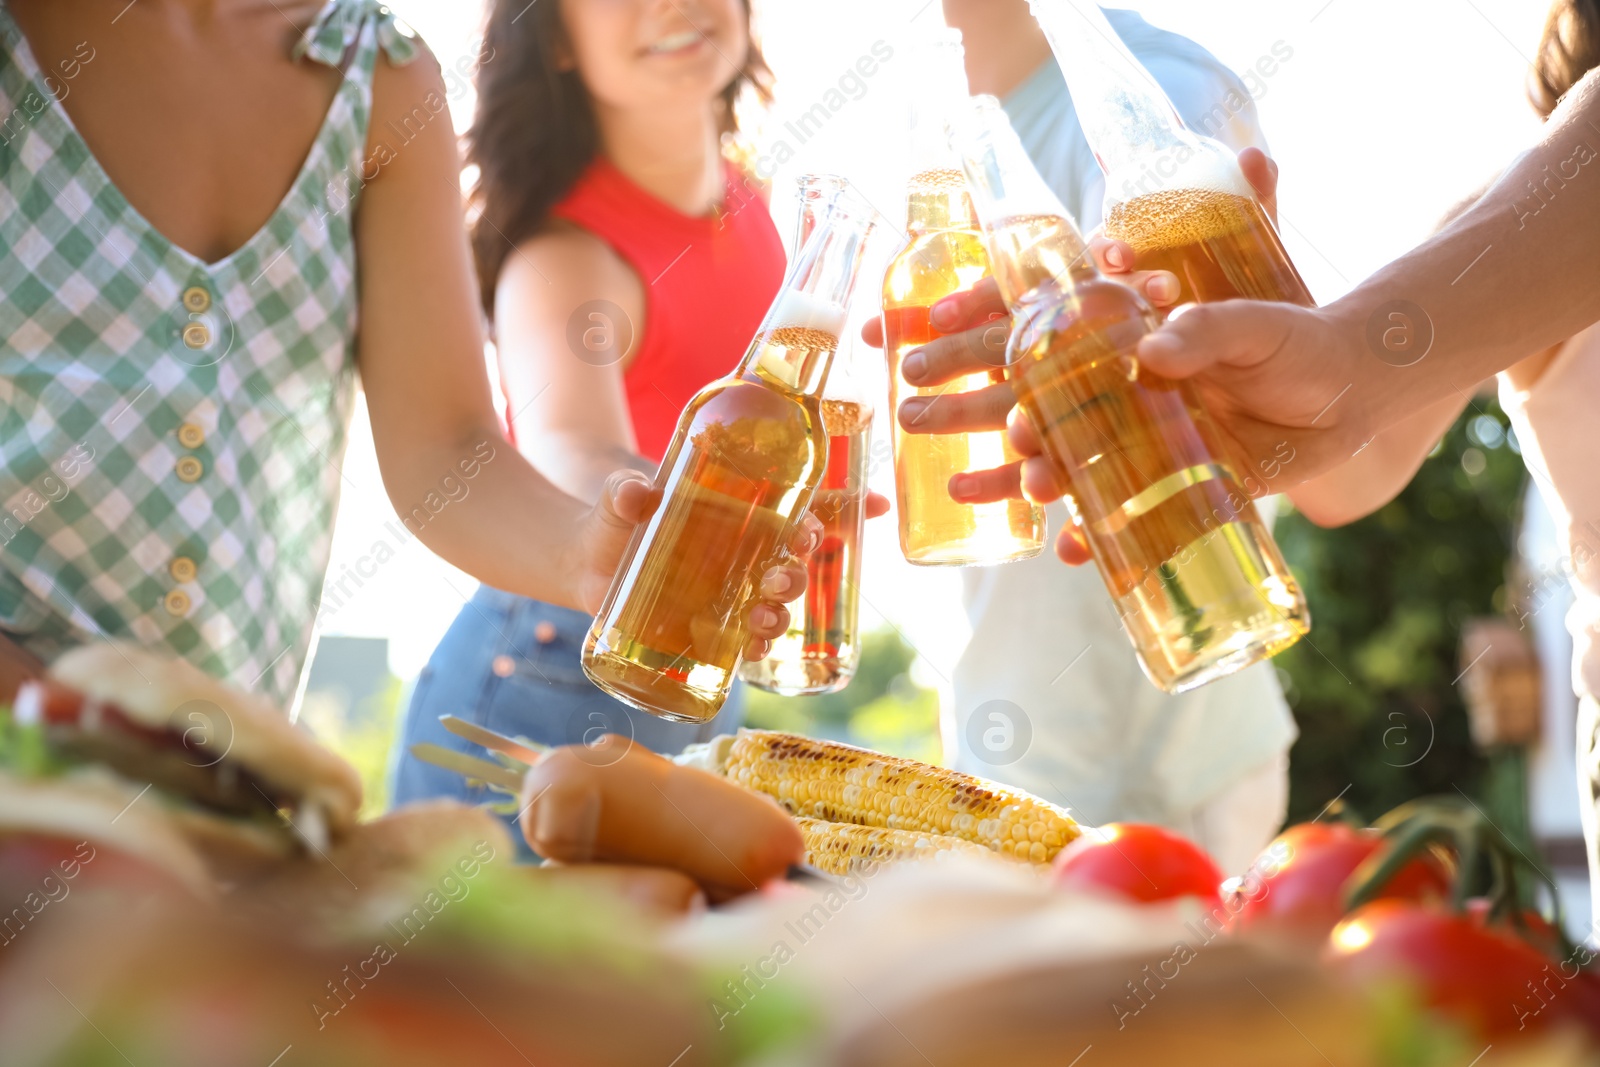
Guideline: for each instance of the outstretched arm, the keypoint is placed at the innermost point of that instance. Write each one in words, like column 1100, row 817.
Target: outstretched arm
column 422, row 365
column 1513, row 275
column 569, row 406
column 421, row 360
column 1375, row 475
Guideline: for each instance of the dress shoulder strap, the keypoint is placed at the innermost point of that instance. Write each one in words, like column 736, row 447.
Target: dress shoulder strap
column 346, row 35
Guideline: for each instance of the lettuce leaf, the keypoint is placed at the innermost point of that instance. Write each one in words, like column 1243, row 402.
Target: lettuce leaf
column 25, row 752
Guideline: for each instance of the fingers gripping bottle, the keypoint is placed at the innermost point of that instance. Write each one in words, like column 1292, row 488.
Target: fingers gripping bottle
column 822, row 647
column 944, row 254
column 1195, row 576
column 1179, row 199
column 748, row 454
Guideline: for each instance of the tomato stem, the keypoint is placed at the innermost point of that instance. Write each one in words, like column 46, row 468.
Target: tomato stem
column 1460, row 827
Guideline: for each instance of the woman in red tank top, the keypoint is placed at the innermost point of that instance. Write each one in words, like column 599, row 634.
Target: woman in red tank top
column 624, row 263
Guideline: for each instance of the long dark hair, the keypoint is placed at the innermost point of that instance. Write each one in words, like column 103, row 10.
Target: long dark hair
column 534, row 131
column 1568, row 49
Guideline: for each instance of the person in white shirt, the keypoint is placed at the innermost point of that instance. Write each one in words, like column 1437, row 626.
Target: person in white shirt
column 1048, row 695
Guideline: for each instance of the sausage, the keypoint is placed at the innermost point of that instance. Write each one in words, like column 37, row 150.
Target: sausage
column 618, row 802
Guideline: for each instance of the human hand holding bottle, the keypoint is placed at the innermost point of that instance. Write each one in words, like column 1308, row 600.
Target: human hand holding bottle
column 976, row 330
column 976, row 335
column 1280, row 426
column 1271, row 375
column 627, row 500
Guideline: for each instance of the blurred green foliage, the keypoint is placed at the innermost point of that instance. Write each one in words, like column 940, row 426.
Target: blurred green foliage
column 882, row 708
column 1373, row 686
column 363, row 734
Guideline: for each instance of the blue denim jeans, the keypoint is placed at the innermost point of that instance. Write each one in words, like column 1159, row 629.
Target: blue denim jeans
column 511, row 664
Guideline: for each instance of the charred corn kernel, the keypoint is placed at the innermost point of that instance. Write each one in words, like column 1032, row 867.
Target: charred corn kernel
column 844, row 784
column 840, row 848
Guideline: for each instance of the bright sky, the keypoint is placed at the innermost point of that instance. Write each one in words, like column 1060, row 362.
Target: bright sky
column 1385, row 115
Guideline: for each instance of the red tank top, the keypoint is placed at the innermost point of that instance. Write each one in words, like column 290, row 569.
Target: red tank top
column 708, row 281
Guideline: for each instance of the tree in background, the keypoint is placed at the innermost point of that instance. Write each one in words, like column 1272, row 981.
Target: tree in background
column 1373, row 687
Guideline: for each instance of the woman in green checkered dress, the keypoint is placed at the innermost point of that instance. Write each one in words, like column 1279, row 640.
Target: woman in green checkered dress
column 181, row 335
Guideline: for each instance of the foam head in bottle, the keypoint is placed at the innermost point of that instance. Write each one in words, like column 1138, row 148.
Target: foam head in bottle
column 1193, row 573
column 1179, row 198
column 943, row 254
column 749, row 454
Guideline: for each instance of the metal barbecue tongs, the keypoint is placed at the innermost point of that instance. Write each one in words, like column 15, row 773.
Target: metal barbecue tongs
column 514, row 756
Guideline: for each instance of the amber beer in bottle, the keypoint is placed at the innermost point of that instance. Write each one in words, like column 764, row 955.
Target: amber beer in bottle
column 944, row 254
column 822, row 648
column 748, row 454
column 1179, row 199
column 1199, row 583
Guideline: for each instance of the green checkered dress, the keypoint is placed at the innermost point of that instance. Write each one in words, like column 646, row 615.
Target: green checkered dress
column 171, row 430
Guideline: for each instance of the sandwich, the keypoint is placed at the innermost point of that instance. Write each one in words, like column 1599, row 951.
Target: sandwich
column 150, row 755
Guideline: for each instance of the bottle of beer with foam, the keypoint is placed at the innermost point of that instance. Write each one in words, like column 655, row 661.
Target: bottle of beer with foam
column 1178, row 198
column 739, row 475
column 1193, row 572
column 822, row 647
column 943, row 254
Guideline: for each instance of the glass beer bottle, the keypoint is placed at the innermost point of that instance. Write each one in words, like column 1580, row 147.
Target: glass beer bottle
column 1196, row 578
column 821, row 649
column 748, row 454
column 944, row 254
column 1179, row 199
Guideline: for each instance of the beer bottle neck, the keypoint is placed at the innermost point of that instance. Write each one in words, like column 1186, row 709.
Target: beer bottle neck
column 936, row 193
column 794, row 358
column 817, row 194
column 1037, row 253
column 793, row 350
column 1030, row 238
column 1126, row 116
column 937, row 199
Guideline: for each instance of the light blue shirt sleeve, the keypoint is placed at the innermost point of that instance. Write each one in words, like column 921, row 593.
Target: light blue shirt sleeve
column 1210, row 97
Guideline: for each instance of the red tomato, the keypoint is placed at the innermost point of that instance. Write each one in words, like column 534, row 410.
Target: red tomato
column 1492, row 982
column 1146, row 863
column 1535, row 928
column 1294, row 891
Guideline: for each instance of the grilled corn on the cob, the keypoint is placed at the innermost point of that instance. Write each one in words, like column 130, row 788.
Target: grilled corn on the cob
column 844, row 784
column 839, row 848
